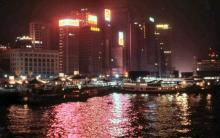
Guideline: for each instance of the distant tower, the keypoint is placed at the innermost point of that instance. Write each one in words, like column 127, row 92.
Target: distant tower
column 108, row 39
column 148, row 50
column 165, row 53
column 117, row 56
column 119, row 10
column 69, row 45
column 40, row 34
column 91, row 51
column 195, row 66
column 118, row 23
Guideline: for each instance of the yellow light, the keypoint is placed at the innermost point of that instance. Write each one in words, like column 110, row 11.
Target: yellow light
column 92, row 19
column 167, row 52
column 61, row 75
column 126, row 74
column 37, row 42
column 120, row 38
column 156, row 33
column 95, row 29
column 76, row 72
column 184, row 82
column 69, row 22
column 11, row 78
column 107, row 15
column 24, row 38
column 162, row 26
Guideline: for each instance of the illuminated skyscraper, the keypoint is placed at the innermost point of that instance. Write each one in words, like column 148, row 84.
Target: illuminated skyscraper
column 142, row 47
column 85, row 17
column 135, row 37
column 148, row 58
column 90, row 41
column 69, row 45
column 91, row 51
column 163, row 32
column 152, row 50
column 118, row 63
column 40, row 34
column 116, row 25
column 108, row 39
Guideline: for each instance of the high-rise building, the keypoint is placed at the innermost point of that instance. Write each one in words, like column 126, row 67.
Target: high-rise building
column 118, row 54
column 119, row 12
column 148, row 49
column 163, row 33
column 40, row 34
column 85, row 17
column 133, row 47
column 142, row 48
column 93, row 54
column 69, row 45
column 152, row 60
column 117, row 19
column 91, row 51
column 80, row 44
column 108, row 39
column 117, row 61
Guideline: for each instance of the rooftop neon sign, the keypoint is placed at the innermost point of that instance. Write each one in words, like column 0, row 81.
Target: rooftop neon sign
column 92, row 19
column 107, row 15
column 69, row 22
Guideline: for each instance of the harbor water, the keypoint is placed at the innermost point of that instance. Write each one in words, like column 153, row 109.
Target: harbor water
column 117, row 115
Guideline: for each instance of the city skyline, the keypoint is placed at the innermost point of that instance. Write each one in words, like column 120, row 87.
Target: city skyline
column 109, row 68
column 187, row 38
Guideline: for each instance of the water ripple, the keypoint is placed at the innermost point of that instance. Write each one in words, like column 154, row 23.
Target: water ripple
column 117, row 115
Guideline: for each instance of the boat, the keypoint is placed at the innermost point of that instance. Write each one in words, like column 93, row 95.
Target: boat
column 11, row 93
column 147, row 88
column 12, row 88
column 8, row 89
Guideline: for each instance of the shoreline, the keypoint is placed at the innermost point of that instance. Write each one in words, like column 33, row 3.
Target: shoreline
column 81, row 96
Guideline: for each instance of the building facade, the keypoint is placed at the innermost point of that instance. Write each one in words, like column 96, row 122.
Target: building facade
column 207, row 67
column 91, row 51
column 40, row 34
column 4, row 59
column 81, row 46
column 68, row 46
column 33, row 61
column 163, row 36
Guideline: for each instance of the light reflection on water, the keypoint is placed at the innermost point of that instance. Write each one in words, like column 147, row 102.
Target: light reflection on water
column 117, row 115
column 102, row 116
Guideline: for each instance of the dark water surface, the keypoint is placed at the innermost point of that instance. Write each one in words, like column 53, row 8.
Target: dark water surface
column 117, row 115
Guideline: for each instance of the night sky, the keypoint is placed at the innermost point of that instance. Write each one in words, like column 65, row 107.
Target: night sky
column 194, row 22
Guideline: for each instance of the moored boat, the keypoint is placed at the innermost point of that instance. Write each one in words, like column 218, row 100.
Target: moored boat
column 147, row 88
